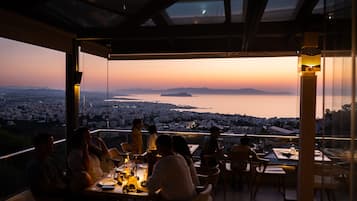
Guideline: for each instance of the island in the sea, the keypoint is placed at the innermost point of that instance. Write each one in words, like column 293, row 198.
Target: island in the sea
column 180, row 94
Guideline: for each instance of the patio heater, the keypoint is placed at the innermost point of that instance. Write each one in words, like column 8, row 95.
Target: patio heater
column 309, row 63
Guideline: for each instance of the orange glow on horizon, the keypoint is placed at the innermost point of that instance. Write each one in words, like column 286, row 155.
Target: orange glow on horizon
column 262, row 73
column 32, row 66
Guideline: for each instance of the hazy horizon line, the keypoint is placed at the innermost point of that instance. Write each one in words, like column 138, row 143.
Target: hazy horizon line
column 289, row 92
column 141, row 88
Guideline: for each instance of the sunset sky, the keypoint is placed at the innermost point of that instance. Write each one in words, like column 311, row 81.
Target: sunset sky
column 31, row 66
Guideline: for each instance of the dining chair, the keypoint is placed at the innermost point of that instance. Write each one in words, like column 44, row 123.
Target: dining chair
column 204, row 195
column 115, row 156
column 209, row 160
column 209, row 176
column 262, row 168
column 125, row 147
column 327, row 178
column 239, row 166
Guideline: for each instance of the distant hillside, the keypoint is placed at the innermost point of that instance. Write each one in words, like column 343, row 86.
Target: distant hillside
column 243, row 91
column 123, row 92
column 32, row 91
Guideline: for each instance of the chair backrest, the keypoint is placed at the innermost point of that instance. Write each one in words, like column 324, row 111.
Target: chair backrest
column 240, row 157
column 210, row 175
column 115, row 156
column 114, row 153
column 209, row 160
column 328, row 176
column 205, row 195
column 126, row 147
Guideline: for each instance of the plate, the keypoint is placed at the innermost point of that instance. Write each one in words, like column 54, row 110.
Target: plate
column 108, row 182
column 108, row 187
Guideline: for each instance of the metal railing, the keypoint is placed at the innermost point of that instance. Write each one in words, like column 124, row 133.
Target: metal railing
column 123, row 131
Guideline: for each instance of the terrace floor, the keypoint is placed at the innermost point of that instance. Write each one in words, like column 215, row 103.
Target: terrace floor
column 269, row 191
column 266, row 192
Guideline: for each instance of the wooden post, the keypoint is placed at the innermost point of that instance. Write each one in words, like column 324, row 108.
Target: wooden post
column 72, row 102
column 309, row 63
column 307, row 136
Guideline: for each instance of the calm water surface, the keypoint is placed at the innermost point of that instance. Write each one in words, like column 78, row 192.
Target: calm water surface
column 251, row 105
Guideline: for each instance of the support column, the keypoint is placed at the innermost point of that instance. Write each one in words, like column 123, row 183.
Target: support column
column 307, row 136
column 72, row 95
column 309, row 63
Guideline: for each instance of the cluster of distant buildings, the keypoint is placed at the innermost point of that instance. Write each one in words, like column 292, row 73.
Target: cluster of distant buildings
column 97, row 113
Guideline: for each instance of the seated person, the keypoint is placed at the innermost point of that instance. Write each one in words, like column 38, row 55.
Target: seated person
column 45, row 179
column 211, row 151
column 244, row 146
column 241, row 154
column 137, row 138
column 151, row 148
column 180, row 146
column 171, row 175
column 84, row 159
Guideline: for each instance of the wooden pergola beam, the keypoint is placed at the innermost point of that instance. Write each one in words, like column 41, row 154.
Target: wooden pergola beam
column 228, row 11
column 253, row 11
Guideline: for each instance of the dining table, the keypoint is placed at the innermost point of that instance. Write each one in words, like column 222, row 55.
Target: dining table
column 126, row 182
column 193, row 147
column 293, row 154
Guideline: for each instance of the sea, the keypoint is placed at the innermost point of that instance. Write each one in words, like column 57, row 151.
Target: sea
column 265, row 106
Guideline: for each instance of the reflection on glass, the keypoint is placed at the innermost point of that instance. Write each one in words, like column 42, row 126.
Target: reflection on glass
column 279, row 10
column 197, row 12
column 237, row 10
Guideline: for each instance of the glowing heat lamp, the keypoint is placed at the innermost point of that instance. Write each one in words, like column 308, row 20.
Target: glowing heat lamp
column 310, row 54
column 77, row 91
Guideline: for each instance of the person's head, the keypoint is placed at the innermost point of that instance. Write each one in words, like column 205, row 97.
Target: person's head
column 81, row 137
column 215, row 131
column 180, row 146
column 138, row 124
column 244, row 140
column 152, row 129
column 43, row 143
column 164, row 144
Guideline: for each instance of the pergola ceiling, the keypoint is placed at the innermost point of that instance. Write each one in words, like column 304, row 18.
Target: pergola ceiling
column 190, row 28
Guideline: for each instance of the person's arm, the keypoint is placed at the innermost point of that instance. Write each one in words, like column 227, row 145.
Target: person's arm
column 255, row 157
column 193, row 172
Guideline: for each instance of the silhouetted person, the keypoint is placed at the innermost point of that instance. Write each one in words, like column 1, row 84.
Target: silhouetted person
column 137, row 138
column 151, row 148
column 171, row 174
column 241, row 155
column 84, row 159
column 211, row 150
column 45, row 179
column 180, row 146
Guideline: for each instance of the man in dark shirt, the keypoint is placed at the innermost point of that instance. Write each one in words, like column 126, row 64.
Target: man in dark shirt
column 211, row 149
column 44, row 177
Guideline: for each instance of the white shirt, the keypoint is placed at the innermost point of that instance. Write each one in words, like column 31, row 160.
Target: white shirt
column 172, row 176
column 75, row 163
column 193, row 172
